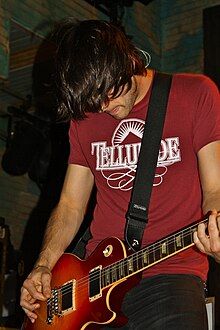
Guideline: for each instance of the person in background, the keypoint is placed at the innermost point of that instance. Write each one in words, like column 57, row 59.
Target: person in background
column 103, row 89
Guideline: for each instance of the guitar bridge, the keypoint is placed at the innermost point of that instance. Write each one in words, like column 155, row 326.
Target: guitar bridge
column 62, row 301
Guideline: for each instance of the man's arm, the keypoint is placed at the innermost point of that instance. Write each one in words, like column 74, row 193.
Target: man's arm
column 67, row 217
column 62, row 226
column 209, row 169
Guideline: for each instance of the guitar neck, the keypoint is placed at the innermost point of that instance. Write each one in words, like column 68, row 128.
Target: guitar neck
column 149, row 255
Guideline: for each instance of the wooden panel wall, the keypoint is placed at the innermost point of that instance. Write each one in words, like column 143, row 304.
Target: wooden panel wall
column 4, row 39
column 182, row 34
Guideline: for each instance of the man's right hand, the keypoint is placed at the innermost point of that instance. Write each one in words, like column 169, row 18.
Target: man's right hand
column 35, row 287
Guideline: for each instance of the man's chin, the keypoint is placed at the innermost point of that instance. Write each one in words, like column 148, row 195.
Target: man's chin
column 119, row 117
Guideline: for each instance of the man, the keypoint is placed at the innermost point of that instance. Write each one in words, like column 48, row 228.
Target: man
column 104, row 88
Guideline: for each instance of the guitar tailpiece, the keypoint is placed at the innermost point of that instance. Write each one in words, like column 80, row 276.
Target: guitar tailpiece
column 53, row 306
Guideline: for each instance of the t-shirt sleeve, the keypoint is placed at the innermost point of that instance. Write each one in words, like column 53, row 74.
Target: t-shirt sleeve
column 207, row 115
column 76, row 155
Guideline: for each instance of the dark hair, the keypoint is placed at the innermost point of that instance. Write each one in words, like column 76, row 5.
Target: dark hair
column 93, row 58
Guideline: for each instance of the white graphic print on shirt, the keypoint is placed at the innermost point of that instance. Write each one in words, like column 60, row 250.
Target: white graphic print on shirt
column 121, row 158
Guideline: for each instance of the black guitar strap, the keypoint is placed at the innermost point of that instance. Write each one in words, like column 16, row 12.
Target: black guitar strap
column 137, row 214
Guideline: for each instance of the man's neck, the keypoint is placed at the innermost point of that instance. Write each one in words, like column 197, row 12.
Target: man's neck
column 143, row 84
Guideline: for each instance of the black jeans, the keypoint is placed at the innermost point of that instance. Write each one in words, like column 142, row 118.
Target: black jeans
column 166, row 302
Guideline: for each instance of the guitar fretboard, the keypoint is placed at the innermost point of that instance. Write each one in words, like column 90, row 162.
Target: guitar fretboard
column 149, row 256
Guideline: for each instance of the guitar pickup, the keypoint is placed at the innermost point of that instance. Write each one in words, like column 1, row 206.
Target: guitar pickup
column 95, row 283
column 62, row 301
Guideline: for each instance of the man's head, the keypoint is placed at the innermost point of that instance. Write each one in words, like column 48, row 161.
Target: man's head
column 95, row 64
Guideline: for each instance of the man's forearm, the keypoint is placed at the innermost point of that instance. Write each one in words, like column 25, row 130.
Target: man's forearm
column 62, row 227
column 211, row 201
column 210, row 242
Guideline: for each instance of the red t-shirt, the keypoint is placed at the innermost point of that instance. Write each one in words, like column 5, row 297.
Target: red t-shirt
column 110, row 147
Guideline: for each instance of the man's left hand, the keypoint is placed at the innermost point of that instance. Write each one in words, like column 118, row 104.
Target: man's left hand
column 207, row 237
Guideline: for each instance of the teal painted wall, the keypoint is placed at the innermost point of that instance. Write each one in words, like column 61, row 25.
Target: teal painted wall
column 170, row 30
column 39, row 17
column 182, row 34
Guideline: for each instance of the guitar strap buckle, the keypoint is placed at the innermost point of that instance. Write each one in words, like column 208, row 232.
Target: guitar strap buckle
column 134, row 231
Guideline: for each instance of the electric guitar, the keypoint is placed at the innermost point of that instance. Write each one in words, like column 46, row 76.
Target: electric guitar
column 87, row 294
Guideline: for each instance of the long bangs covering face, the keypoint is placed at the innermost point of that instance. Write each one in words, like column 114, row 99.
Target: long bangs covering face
column 95, row 63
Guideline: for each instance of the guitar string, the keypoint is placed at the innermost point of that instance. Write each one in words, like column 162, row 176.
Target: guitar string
column 136, row 257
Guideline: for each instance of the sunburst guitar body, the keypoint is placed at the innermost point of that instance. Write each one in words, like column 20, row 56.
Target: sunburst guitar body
column 88, row 294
